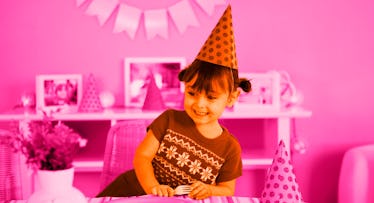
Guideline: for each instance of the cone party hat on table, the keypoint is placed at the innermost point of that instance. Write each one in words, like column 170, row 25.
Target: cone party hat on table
column 220, row 48
column 153, row 99
column 90, row 100
column 280, row 183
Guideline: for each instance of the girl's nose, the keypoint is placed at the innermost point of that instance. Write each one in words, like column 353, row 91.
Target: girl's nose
column 201, row 101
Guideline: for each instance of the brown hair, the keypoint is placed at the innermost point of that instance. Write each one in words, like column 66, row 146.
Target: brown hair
column 208, row 72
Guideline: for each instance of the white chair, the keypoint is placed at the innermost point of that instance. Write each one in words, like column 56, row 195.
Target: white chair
column 10, row 179
column 121, row 143
column 356, row 180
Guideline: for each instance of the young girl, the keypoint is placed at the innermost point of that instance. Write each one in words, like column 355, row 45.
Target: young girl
column 190, row 147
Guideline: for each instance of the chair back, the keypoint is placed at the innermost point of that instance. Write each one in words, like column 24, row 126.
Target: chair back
column 10, row 177
column 356, row 178
column 121, row 143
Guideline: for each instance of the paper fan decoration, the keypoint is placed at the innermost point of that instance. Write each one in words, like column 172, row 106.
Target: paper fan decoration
column 153, row 100
column 90, row 100
column 280, row 183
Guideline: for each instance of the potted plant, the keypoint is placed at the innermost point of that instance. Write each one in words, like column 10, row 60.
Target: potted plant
column 49, row 148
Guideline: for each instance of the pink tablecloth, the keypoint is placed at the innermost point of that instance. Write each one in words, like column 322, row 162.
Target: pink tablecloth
column 153, row 199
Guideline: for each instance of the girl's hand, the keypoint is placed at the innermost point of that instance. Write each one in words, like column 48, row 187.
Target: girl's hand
column 200, row 190
column 162, row 191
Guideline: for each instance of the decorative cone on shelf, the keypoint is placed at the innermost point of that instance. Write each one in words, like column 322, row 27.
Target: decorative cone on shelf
column 280, row 183
column 153, row 100
column 90, row 100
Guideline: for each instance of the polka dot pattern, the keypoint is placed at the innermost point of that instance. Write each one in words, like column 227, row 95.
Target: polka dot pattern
column 280, row 183
column 90, row 100
column 219, row 48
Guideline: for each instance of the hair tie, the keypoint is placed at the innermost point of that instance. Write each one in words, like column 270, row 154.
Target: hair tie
column 245, row 85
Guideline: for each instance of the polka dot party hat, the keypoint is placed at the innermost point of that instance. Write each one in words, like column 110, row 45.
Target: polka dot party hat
column 280, row 183
column 219, row 48
column 153, row 99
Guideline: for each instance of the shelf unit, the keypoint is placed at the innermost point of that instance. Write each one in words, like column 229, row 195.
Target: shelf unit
column 253, row 161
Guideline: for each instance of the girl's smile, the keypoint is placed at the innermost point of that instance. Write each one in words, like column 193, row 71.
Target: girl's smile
column 200, row 113
column 203, row 107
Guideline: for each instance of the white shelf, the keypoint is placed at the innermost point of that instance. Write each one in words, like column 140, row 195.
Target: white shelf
column 258, row 162
column 88, row 166
column 125, row 114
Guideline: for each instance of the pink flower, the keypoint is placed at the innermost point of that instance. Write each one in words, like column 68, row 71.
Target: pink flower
column 47, row 146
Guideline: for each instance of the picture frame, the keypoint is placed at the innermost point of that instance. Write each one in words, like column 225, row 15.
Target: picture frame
column 265, row 93
column 165, row 70
column 58, row 93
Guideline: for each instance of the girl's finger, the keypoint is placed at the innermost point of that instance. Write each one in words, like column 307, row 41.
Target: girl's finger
column 159, row 192
column 195, row 191
column 165, row 191
column 202, row 194
column 154, row 190
column 170, row 192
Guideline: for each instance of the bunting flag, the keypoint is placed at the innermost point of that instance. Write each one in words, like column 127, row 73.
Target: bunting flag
column 209, row 5
column 156, row 23
column 178, row 13
column 103, row 9
column 128, row 18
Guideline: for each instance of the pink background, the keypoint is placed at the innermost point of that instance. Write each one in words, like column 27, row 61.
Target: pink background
column 326, row 46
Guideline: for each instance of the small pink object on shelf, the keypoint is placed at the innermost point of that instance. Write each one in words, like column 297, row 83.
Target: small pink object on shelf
column 153, row 100
column 90, row 100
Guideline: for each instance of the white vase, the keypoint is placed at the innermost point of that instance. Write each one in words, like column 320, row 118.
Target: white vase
column 56, row 186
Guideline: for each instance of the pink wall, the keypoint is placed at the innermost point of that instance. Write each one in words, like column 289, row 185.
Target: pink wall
column 326, row 46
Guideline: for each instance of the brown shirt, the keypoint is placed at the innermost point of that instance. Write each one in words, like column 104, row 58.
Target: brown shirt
column 185, row 155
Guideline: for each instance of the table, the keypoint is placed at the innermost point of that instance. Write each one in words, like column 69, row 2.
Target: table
column 154, row 199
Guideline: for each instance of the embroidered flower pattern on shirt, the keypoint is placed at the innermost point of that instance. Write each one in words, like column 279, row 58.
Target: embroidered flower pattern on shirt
column 161, row 148
column 190, row 145
column 206, row 173
column 180, row 157
column 194, row 166
column 171, row 152
column 164, row 169
column 183, row 159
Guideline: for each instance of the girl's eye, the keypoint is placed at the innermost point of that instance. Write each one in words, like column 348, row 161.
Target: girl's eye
column 211, row 97
column 191, row 93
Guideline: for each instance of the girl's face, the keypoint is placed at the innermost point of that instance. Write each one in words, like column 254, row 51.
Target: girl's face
column 206, row 107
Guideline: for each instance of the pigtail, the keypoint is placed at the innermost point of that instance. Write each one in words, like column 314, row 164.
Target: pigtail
column 181, row 74
column 245, row 84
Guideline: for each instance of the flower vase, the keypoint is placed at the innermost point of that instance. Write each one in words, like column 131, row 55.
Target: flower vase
column 56, row 186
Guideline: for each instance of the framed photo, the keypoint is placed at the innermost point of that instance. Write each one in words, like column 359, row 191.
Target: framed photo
column 265, row 93
column 60, row 93
column 164, row 70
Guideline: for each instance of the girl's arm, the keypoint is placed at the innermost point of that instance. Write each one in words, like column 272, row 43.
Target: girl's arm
column 201, row 190
column 144, row 169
